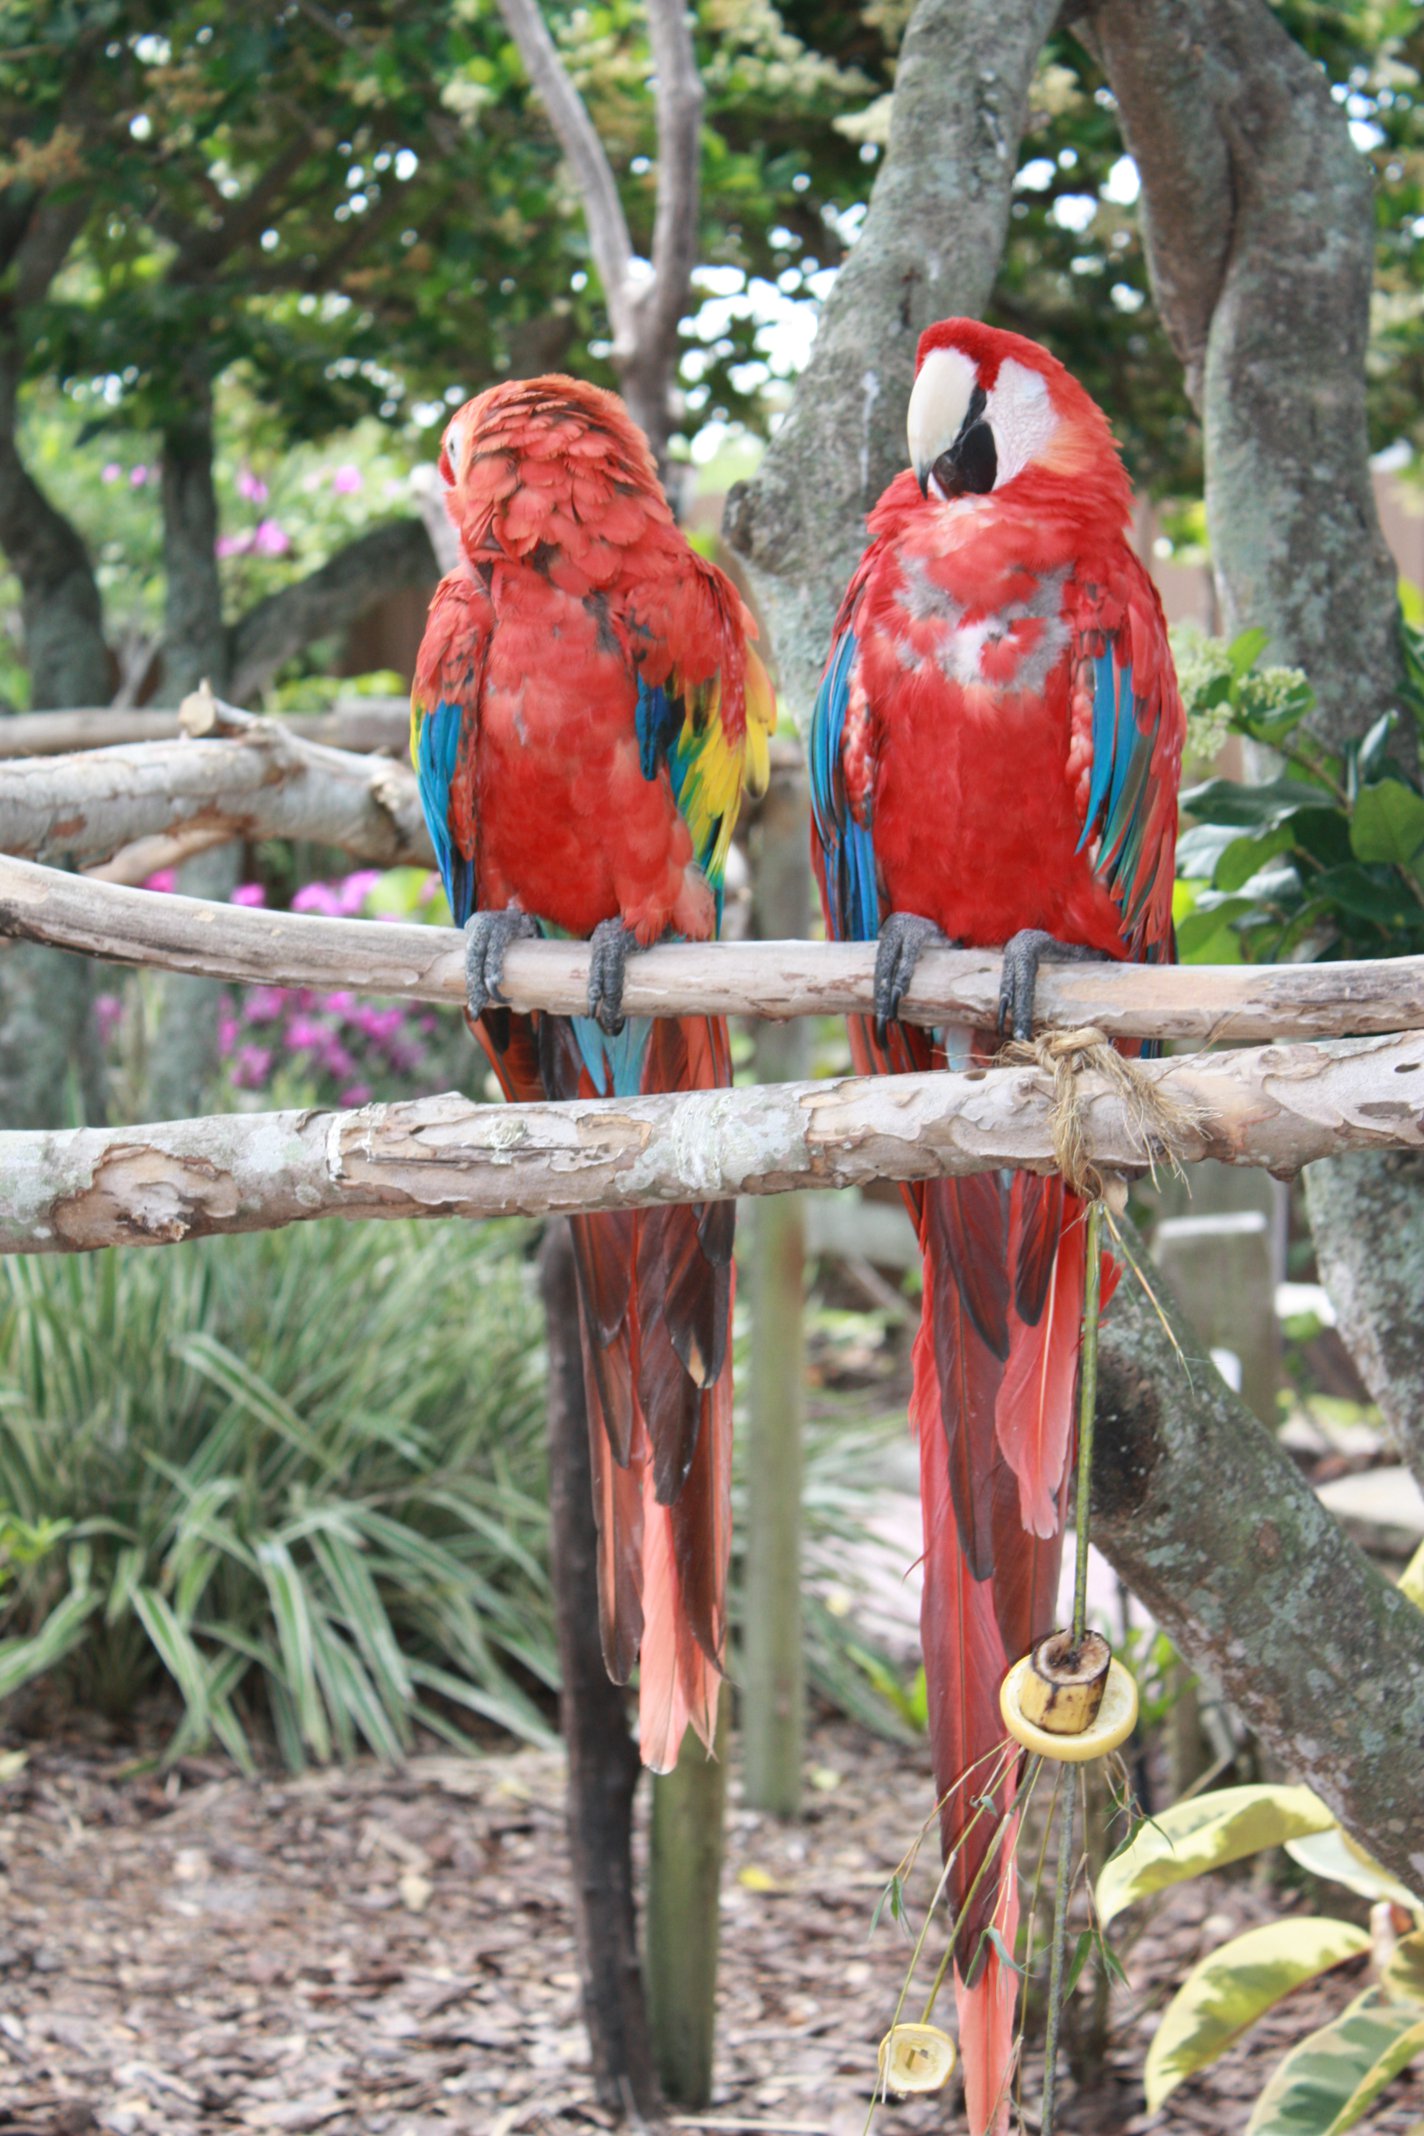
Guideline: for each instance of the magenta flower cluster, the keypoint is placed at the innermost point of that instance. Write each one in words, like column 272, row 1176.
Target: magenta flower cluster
column 348, row 1047
column 351, row 1049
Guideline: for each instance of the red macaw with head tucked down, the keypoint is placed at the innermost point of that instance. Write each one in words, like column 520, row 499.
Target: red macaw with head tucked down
column 588, row 708
column 995, row 756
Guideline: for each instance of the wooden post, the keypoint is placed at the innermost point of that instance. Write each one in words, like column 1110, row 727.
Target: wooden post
column 772, row 1686
column 684, row 1878
column 602, row 1756
column 1222, row 1268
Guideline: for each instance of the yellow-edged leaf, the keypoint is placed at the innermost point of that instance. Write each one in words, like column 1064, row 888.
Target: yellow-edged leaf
column 1206, row 1833
column 1335, row 1856
column 1411, row 1580
column 1233, row 1986
column 1403, row 1976
column 1331, row 2079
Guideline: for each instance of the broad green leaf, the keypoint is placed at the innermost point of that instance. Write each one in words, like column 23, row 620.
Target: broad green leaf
column 1363, row 895
column 1336, row 1857
column 1206, row 1833
column 1244, row 858
column 1403, row 1975
column 1331, row 2079
column 1246, row 649
column 1388, row 822
column 1206, row 936
column 1254, row 808
column 1233, row 1986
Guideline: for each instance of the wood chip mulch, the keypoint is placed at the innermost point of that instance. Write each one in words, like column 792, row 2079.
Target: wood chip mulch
column 391, row 1953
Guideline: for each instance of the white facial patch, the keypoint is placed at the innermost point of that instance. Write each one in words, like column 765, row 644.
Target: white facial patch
column 1022, row 417
column 454, row 448
column 938, row 404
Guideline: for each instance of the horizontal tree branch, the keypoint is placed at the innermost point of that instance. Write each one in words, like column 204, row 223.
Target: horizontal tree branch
column 1280, row 1106
column 265, row 782
column 1206, row 1004
column 375, row 723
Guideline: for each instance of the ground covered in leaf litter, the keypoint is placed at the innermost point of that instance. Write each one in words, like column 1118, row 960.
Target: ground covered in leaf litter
column 392, row 1953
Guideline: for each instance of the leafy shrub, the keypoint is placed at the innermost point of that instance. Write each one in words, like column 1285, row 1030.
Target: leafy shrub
column 303, row 1475
column 1326, row 859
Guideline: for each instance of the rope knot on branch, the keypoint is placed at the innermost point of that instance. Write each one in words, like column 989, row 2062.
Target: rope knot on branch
column 1158, row 1123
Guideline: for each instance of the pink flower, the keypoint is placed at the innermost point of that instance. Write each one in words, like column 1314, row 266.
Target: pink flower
column 339, row 1003
column 347, row 479
column 111, row 472
column 304, row 1035
column 249, row 894
column 357, row 1094
column 233, row 544
column 271, row 540
column 164, row 879
column 428, row 889
column 252, row 1068
column 354, row 890
column 317, row 897
column 265, row 1004
column 228, row 1028
column 108, row 1015
column 140, row 476
column 251, row 486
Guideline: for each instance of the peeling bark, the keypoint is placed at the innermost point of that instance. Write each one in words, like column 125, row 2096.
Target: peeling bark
column 930, row 248
column 1205, row 1003
column 1213, row 1527
column 161, row 1183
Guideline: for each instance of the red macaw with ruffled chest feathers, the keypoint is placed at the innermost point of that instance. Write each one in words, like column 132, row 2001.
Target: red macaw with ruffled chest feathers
column 587, row 710
column 995, row 756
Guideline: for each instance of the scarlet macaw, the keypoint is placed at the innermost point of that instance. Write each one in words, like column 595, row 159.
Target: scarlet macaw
column 587, row 711
column 995, row 756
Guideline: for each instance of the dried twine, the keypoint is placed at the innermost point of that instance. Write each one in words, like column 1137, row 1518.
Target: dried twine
column 1159, row 1124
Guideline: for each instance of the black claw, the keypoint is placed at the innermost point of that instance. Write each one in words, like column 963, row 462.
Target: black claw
column 487, row 938
column 1018, row 982
column 611, row 943
column 904, row 938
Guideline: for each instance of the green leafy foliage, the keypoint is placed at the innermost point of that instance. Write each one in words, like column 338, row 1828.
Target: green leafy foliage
column 1328, row 2082
column 1207, row 1832
column 1324, row 860
column 301, row 1476
column 1233, row 1986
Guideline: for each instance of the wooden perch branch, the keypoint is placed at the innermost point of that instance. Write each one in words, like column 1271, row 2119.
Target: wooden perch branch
column 376, row 723
column 1205, row 1004
column 1280, row 1106
column 265, row 782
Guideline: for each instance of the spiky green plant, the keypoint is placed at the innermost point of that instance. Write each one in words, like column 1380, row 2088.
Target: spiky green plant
column 303, row 1477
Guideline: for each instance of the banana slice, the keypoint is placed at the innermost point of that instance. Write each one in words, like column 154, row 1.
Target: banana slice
column 1067, row 1703
column 916, row 2058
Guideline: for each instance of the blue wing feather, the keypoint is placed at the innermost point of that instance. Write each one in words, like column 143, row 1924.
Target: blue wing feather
column 435, row 773
column 847, row 844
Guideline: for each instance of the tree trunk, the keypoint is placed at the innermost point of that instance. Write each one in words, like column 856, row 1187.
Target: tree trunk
column 930, row 247
column 183, row 1051
column 602, row 1757
column 685, row 1846
column 1260, row 231
column 1367, row 1217
column 1258, row 216
column 194, row 639
column 59, row 598
column 1213, row 1527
